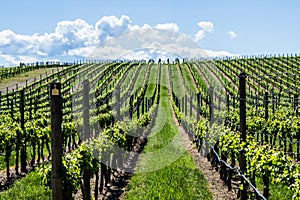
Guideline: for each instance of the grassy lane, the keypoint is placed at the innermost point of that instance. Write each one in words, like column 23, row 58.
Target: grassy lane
column 187, row 78
column 152, row 81
column 166, row 170
column 21, row 78
column 29, row 187
column 177, row 86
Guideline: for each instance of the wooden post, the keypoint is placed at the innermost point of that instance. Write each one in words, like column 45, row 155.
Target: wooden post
column 158, row 90
column 146, row 104
column 131, row 106
column 12, row 104
column 266, row 104
column 228, row 102
column 191, row 105
column 23, row 149
column 201, row 100
column 56, row 140
column 30, row 107
column 273, row 102
column 256, row 103
column 198, row 106
column 296, row 105
column 182, row 104
column 233, row 102
column 86, row 109
column 118, row 102
column 138, row 109
column 185, row 105
column 243, row 128
column 211, row 105
column 143, row 106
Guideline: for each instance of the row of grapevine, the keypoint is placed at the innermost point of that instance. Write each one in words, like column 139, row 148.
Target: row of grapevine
column 272, row 143
column 96, row 154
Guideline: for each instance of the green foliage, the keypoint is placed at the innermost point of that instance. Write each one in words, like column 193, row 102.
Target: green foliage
column 202, row 129
column 262, row 159
column 143, row 121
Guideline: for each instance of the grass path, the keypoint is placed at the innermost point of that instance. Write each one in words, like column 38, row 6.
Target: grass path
column 166, row 170
column 29, row 187
column 21, row 78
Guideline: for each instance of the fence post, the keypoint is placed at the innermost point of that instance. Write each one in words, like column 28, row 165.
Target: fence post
column 296, row 106
column 233, row 101
column 243, row 126
column 86, row 134
column 12, row 104
column 228, row 102
column 118, row 103
column 191, row 105
column 138, row 109
column 131, row 106
column 143, row 105
column 296, row 98
column 185, row 105
column 273, row 102
column 23, row 149
column 266, row 104
column 198, row 106
column 86, row 109
column 182, row 104
column 211, row 105
column 56, row 140
column 146, row 104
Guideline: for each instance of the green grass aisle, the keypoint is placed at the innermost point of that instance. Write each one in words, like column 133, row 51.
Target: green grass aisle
column 29, row 187
column 165, row 169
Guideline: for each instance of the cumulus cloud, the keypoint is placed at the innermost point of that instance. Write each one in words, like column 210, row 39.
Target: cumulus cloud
column 110, row 38
column 110, row 26
column 168, row 26
column 232, row 34
column 206, row 27
column 16, row 60
column 216, row 54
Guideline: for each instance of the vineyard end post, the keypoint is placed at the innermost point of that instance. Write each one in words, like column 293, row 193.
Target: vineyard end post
column 56, row 140
column 243, row 128
column 86, row 109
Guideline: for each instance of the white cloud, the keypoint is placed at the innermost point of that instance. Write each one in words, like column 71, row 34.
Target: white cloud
column 82, row 52
column 110, row 38
column 205, row 26
column 215, row 54
column 16, row 60
column 110, row 26
column 168, row 26
column 232, row 34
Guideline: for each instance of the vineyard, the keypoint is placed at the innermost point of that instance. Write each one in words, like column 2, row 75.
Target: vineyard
column 241, row 114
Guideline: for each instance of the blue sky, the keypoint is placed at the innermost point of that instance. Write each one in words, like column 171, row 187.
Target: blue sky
column 257, row 27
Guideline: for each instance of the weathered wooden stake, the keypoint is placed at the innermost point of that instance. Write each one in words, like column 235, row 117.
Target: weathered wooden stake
column 56, row 140
column 86, row 109
column 211, row 105
column 243, row 128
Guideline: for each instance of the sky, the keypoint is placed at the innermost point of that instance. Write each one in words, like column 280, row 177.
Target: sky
column 66, row 30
